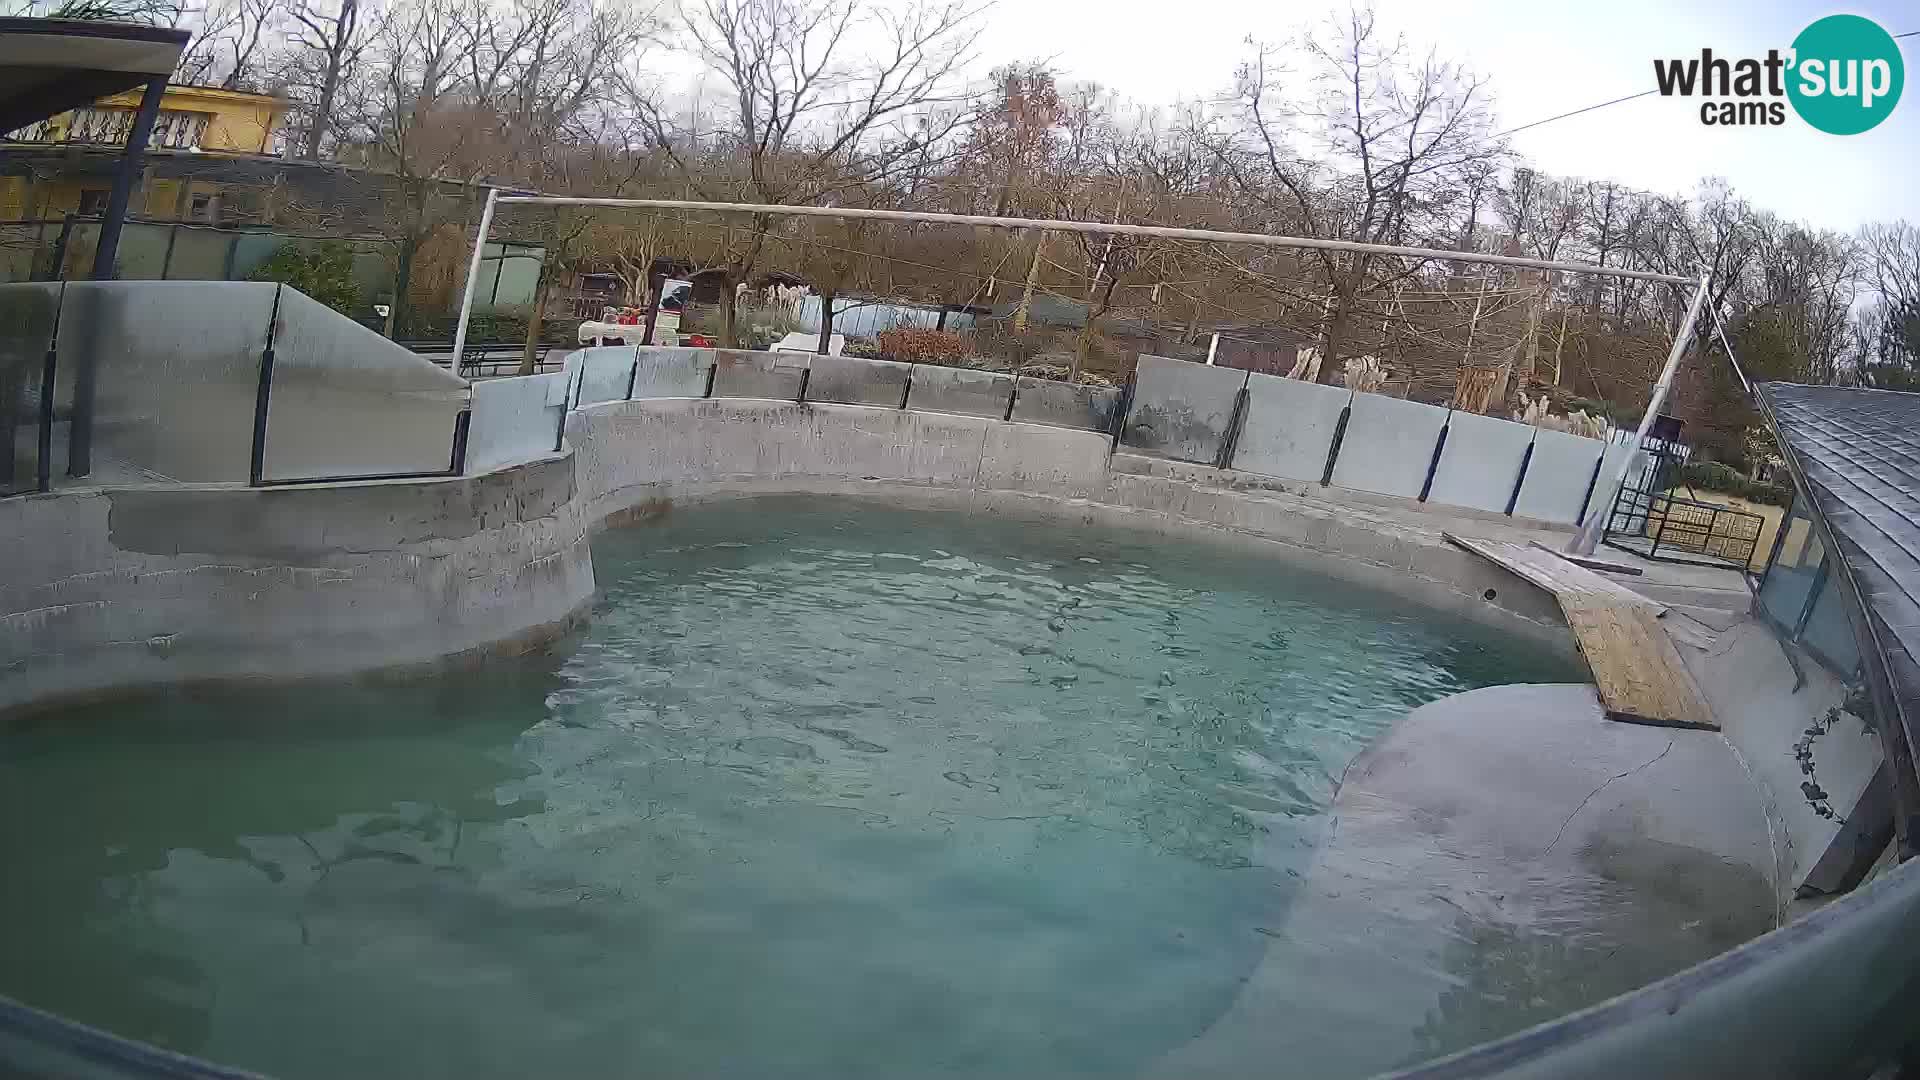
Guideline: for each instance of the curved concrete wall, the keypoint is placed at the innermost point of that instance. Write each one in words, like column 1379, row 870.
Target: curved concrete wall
column 123, row 587
column 636, row 457
column 110, row 589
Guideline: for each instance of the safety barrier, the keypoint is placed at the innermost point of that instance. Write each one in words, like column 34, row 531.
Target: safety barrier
column 1334, row 436
column 211, row 382
column 1223, row 417
column 629, row 372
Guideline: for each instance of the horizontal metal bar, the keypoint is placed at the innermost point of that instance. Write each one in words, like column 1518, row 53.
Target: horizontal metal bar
column 1099, row 227
column 291, row 481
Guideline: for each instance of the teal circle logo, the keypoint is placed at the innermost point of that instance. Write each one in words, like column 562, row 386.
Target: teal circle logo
column 1847, row 74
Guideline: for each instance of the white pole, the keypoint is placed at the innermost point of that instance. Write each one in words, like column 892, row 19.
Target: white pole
column 1100, row 228
column 473, row 275
column 1588, row 537
column 1213, row 346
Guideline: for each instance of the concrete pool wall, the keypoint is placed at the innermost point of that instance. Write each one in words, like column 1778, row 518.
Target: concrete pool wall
column 109, row 589
column 644, row 456
column 116, row 588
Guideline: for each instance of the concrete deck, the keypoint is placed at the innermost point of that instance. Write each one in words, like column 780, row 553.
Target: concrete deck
column 1500, row 858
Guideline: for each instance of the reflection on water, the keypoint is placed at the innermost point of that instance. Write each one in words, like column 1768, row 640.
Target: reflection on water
column 1590, row 934
column 824, row 790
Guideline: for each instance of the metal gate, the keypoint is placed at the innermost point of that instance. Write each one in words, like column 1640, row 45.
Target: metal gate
column 1655, row 524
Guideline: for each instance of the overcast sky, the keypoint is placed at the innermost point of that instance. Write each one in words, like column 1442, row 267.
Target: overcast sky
column 1544, row 57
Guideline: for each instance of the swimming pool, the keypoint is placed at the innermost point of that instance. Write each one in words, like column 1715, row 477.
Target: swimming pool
column 823, row 789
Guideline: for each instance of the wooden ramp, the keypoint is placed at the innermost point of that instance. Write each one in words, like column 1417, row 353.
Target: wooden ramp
column 1635, row 665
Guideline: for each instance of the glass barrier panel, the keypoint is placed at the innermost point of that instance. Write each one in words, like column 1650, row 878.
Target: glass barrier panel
column 28, row 313
column 347, row 402
column 1829, row 633
column 513, row 420
column 199, row 255
column 1783, row 595
column 177, row 366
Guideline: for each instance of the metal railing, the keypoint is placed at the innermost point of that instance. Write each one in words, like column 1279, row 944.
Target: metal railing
column 1667, row 528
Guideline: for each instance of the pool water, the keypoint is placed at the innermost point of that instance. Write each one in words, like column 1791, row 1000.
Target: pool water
column 824, row 789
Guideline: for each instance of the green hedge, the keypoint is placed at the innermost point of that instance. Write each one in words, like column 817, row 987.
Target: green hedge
column 1713, row 476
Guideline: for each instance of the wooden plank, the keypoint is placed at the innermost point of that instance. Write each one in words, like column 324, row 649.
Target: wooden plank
column 1636, row 666
column 1591, row 563
column 1549, row 571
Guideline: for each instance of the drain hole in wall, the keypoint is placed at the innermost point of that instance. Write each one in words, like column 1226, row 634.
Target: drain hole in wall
column 1488, row 595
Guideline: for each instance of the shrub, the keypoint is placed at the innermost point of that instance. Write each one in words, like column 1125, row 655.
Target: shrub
column 1713, row 476
column 917, row 346
column 323, row 271
column 1593, row 407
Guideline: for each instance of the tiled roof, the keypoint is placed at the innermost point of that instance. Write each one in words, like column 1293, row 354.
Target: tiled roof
column 1860, row 453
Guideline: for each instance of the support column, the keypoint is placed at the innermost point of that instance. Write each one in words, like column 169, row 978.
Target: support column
column 1588, row 538
column 86, row 372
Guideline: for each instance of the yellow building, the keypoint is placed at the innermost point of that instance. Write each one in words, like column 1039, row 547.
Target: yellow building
column 193, row 120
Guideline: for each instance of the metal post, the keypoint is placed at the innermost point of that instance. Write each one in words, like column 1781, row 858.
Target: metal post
column 130, row 162
column 86, row 375
column 461, row 420
column 1433, row 463
column 58, row 271
column 263, row 402
column 1339, row 436
column 43, row 445
column 657, row 285
column 1588, row 538
column 166, row 260
column 1236, row 420
column 1098, row 227
column 473, row 275
column 1660, row 528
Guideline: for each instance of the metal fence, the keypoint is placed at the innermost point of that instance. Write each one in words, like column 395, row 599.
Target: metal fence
column 1668, row 528
column 865, row 318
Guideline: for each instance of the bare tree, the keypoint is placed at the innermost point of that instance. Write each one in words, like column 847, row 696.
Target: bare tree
column 1892, row 261
column 1391, row 138
column 1541, row 214
column 234, row 37
column 1887, row 331
column 151, row 12
column 806, row 123
column 328, row 38
column 444, row 96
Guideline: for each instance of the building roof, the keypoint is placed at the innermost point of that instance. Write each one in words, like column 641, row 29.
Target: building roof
column 1856, row 453
column 222, row 93
column 48, row 66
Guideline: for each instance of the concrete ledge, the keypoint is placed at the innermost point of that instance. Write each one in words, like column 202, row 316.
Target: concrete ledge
column 117, row 589
column 857, row 380
column 1501, row 857
column 650, row 455
column 960, row 390
column 775, row 376
column 1061, row 404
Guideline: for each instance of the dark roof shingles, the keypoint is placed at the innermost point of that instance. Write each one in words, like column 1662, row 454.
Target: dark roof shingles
column 1860, row 453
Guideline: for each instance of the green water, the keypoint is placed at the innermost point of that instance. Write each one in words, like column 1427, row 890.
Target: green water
column 823, row 790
